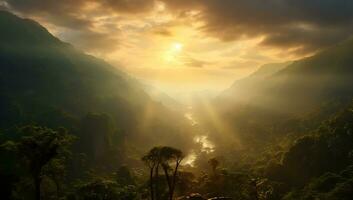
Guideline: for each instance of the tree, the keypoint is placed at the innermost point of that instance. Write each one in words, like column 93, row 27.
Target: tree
column 124, row 176
column 97, row 131
column 214, row 163
column 151, row 160
column 186, row 182
column 170, row 155
column 105, row 189
column 165, row 157
column 38, row 147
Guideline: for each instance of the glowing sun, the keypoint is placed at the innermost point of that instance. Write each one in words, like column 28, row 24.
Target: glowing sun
column 172, row 55
column 177, row 46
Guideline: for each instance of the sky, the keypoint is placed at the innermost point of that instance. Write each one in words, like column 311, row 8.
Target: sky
column 192, row 45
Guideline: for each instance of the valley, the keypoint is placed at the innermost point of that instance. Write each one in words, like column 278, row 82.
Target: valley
column 75, row 126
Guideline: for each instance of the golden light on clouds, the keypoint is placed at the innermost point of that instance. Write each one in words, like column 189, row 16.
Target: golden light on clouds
column 198, row 45
column 172, row 55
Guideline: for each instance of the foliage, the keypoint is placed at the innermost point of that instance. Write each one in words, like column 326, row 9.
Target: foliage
column 270, row 148
column 163, row 156
column 101, row 189
column 43, row 152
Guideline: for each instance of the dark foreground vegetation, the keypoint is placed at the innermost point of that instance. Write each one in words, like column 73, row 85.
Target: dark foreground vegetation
column 73, row 127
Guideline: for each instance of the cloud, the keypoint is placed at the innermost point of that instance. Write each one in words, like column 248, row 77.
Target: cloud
column 77, row 14
column 300, row 24
column 76, row 7
column 306, row 40
column 94, row 42
column 89, row 24
column 3, row 5
column 189, row 61
column 28, row 6
column 129, row 6
column 81, row 22
column 192, row 62
column 163, row 32
column 64, row 13
column 241, row 65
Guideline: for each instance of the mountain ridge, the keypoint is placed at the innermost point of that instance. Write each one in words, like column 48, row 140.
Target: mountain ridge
column 302, row 84
column 42, row 76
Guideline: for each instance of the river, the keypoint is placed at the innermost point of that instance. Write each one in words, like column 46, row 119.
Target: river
column 201, row 138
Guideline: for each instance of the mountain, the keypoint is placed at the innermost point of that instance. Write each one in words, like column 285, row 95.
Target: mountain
column 301, row 86
column 242, row 90
column 268, row 70
column 162, row 97
column 280, row 100
column 47, row 82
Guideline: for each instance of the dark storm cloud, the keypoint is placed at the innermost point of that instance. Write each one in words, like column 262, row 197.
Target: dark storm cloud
column 305, row 24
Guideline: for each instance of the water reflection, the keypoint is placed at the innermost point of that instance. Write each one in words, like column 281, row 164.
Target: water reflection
column 190, row 159
column 206, row 145
column 201, row 139
column 191, row 119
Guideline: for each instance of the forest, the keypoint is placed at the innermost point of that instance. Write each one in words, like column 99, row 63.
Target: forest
column 74, row 127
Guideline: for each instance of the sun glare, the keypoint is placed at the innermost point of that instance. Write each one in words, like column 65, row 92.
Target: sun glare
column 172, row 54
column 177, row 46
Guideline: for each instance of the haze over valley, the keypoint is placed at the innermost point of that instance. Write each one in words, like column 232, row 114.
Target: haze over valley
column 176, row 100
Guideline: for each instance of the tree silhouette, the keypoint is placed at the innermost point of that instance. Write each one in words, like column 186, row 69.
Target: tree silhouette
column 38, row 147
column 151, row 160
column 170, row 155
column 165, row 157
column 214, row 163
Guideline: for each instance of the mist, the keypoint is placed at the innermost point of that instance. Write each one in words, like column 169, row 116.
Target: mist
column 176, row 100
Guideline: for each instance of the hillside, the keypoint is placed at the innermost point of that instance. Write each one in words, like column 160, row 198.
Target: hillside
column 244, row 89
column 301, row 86
column 47, row 82
column 288, row 99
column 288, row 123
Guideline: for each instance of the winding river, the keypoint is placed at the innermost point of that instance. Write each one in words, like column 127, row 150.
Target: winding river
column 201, row 138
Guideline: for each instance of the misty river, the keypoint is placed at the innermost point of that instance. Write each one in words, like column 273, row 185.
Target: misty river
column 201, row 138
